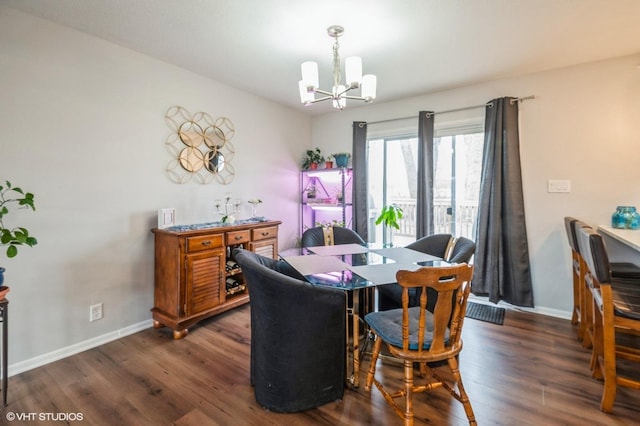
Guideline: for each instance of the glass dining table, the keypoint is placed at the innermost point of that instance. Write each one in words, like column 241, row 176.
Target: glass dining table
column 357, row 270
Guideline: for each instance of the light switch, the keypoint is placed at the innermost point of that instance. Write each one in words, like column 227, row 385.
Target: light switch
column 559, row 185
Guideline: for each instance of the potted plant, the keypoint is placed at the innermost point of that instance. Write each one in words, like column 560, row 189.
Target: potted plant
column 342, row 159
column 12, row 237
column 312, row 158
column 329, row 163
column 389, row 216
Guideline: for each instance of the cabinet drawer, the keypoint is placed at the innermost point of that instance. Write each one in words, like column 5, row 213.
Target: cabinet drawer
column 204, row 242
column 264, row 233
column 238, row 237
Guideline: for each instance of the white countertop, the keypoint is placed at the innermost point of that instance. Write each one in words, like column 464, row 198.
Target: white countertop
column 629, row 237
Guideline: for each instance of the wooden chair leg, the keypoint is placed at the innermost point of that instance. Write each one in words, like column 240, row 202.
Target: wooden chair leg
column 575, row 318
column 408, row 393
column 610, row 383
column 586, row 317
column 372, row 367
column 463, row 397
column 608, row 360
column 597, row 348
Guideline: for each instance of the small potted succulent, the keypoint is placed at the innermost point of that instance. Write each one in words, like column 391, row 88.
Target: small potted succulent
column 342, row 159
column 312, row 158
column 12, row 237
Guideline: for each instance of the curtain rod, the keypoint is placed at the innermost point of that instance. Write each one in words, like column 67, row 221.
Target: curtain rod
column 429, row 114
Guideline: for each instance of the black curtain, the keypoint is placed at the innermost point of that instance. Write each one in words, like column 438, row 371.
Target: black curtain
column 502, row 269
column 424, row 198
column 359, row 162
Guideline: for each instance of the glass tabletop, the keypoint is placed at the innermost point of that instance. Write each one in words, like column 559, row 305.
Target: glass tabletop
column 349, row 271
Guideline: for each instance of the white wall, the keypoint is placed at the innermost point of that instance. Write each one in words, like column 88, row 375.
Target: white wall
column 82, row 126
column 582, row 125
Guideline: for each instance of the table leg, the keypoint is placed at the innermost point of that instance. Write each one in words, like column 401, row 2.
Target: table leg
column 355, row 317
column 5, row 349
column 353, row 379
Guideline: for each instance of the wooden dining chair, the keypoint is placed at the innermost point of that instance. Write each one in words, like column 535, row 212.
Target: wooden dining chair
column 614, row 312
column 415, row 335
column 579, row 316
column 619, row 271
column 575, row 269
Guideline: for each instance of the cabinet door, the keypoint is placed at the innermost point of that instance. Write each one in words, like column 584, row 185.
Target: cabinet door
column 204, row 280
column 266, row 248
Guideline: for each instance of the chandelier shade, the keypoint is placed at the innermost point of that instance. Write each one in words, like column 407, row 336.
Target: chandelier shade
column 309, row 85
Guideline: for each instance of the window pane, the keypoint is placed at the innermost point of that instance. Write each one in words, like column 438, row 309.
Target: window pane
column 392, row 168
column 457, row 169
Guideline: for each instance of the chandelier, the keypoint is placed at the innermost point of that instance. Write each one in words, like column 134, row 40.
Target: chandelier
column 353, row 75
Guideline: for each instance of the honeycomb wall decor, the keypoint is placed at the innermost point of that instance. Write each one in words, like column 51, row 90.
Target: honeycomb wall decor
column 200, row 147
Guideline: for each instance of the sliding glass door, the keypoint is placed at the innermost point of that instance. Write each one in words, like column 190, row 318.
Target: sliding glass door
column 392, row 169
column 392, row 179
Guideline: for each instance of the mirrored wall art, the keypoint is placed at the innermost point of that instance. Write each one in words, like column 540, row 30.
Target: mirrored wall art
column 200, row 147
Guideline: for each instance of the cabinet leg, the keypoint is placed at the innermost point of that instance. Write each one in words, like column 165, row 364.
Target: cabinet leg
column 179, row 334
column 157, row 324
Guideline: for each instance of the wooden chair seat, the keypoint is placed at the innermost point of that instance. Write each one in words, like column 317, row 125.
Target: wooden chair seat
column 626, row 298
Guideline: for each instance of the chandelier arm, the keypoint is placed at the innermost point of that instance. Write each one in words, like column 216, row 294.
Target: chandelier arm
column 324, row 92
column 357, row 98
column 326, row 98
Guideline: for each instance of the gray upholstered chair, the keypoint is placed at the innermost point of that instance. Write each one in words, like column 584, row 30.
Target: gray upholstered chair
column 297, row 336
column 435, row 245
column 313, row 237
column 390, row 295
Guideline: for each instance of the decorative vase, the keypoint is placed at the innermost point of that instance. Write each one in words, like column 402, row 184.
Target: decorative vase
column 625, row 217
column 388, row 237
column 342, row 160
column 2, row 275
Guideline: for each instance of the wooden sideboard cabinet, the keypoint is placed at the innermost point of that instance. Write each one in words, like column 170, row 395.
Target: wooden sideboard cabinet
column 196, row 276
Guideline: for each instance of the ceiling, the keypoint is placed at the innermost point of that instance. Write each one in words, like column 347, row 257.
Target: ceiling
column 413, row 46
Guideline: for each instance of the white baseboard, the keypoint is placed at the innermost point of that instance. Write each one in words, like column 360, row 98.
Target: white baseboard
column 40, row 360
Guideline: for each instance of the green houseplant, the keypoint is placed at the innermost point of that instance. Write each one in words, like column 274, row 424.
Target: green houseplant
column 12, row 237
column 312, row 158
column 16, row 236
column 389, row 216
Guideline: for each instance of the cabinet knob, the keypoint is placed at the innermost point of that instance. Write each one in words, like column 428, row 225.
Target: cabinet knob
column 238, row 237
column 264, row 234
column 206, row 243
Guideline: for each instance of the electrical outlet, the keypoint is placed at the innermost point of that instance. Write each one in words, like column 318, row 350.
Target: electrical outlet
column 559, row 185
column 95, row 312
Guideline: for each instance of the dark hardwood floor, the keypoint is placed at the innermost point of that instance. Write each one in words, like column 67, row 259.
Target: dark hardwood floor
column 530, row 371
